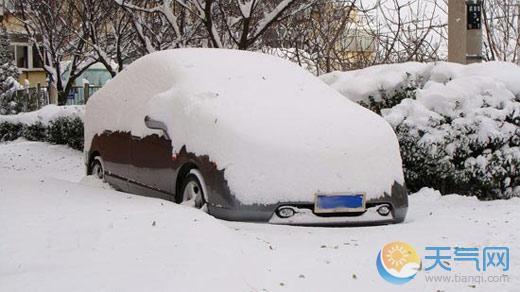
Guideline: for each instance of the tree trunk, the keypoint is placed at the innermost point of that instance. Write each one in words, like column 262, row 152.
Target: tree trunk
column 62, row 98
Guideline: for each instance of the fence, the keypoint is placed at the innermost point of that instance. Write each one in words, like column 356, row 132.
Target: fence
column 25, row 100
column 34, row 98
column 80, row 94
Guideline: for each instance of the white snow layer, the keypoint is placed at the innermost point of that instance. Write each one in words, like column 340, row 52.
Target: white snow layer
column 278, row 131
column 40, row 160
column 359, row 85
column 45, row 115
column 466, row 98
column 480, row 96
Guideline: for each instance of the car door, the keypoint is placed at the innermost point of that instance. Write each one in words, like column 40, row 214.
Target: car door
column 115, row 149
column 152, row 172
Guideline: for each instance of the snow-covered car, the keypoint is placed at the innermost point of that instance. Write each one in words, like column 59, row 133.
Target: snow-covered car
column 247, row 136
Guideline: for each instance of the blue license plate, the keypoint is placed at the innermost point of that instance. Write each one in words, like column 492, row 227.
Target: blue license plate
column 339, row 203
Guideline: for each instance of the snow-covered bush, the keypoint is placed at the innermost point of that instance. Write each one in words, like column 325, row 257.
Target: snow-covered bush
column 35, row 132
column 54, row 124
column 66, row 130
column 389, row 99
column 8, row 102
column 10, row 131
column 380, row 82
column 458, row 126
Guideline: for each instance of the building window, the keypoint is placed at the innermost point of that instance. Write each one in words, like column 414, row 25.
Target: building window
column 37, row 60
column 22, row 57
column 26, row 56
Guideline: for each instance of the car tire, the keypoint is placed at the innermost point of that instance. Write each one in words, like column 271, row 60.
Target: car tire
column 193, row 191
column 97, row 168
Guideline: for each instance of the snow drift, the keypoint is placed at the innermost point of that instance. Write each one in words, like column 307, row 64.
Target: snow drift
column 279, row 132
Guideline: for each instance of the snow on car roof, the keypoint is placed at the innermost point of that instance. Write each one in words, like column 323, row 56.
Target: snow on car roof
column 279, row 132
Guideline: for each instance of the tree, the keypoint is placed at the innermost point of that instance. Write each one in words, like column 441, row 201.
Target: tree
column 225, row 23
column 351, row 34
column 108, row 31
column 163, row 24
column 501, row 29
column 330, row 36
column 8, row 73
column 244, row 22
column 49, row 24
column 411, row 30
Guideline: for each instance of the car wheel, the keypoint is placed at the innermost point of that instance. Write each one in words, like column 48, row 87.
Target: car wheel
column 193, row 190
column 97, row 168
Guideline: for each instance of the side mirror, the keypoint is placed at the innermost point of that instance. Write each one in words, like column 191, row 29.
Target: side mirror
column 156, row 125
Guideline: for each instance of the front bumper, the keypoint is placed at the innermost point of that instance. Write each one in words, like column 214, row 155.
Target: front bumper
column 304, row 216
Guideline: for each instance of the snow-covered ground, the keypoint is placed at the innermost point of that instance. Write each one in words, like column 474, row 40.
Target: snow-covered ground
column 38, row 160
column 60, row 231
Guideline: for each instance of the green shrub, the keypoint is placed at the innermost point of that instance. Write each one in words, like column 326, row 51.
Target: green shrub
column 445, row 149
column 458, row 164
column 10, row 131
column 67, row 131
column 35, row 132
column 449, row 152
column 388, row 100
column 76, row 134
column 63, row 130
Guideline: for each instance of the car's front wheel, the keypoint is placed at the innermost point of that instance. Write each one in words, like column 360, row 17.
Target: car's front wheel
column 193, row 190
column 97, row 168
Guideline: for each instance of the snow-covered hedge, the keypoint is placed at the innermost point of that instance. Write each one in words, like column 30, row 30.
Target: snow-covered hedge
column 66, row 130
column 54, row 124
column 458, row 126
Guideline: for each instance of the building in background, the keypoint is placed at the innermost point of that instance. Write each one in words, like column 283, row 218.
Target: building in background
column 96, row 76
column 25, row 53
column 31, row 65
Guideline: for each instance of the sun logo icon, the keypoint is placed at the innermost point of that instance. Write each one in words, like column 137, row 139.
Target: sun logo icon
column 398, row 262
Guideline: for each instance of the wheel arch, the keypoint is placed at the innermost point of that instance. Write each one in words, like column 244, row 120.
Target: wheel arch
column 91, row 156
column 181, row 174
